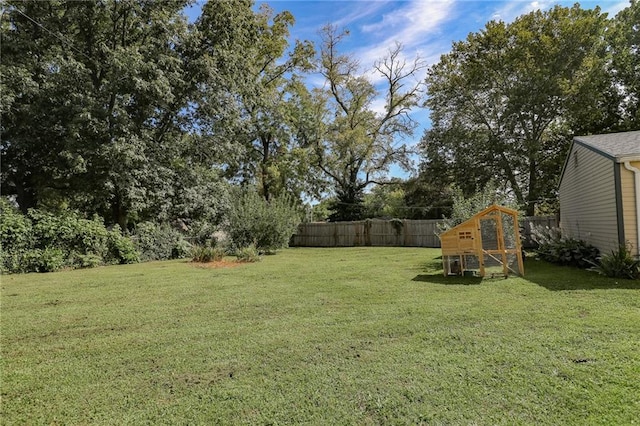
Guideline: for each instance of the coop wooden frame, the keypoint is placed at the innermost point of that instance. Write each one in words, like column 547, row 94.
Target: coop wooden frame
column 466, row 239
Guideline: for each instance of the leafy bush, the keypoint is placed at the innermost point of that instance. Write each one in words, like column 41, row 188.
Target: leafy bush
column 121, row 249
column 464, row 207
column 15, row 235
column 619, row 264
column 206, row 254
column 69, row 232
column 50, row 259
column 267, row 224
column 159, row 242
column 202, row 233
column 42, row 241
column 554, row 247
column 86, row 260
column 248, row 254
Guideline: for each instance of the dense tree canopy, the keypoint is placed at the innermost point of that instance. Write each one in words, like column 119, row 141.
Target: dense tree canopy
column 272, row 157
column 505, row 102
column 124, row 109
column 624, row 43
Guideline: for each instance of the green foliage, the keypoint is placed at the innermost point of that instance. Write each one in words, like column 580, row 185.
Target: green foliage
column 102, row 121
column 206, row 253
column 267, row 224
column 320, row 212
column 202, row 233
column 70, row 232
column 505, row 102
column 428, row 196
column 554, row 247
column 274, row 109
column 16, row 237
column 619, row 264
column 86, row 260
column 159, row 242
column 355, row 145
column 624, row 39
column 49, row 259
column 121, row 249
column 43, row 241
column 248, row 254
column 348, row 205
column 464, row 207
column 386, row 201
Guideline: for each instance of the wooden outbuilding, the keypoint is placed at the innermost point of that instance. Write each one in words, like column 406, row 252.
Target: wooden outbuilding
column 489, row 242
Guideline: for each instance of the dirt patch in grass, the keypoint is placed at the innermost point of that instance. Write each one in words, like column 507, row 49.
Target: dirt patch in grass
column 217, row 264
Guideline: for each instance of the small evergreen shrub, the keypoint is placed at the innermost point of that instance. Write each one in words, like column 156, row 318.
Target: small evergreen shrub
column 554, row 247
column 619, row 264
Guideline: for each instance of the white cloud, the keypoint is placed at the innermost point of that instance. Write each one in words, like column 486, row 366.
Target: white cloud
column 360, row 10
column 512, row 9
column 613, row 8
column 414, row 25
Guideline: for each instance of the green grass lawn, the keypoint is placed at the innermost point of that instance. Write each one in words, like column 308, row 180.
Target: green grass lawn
column 319, row 336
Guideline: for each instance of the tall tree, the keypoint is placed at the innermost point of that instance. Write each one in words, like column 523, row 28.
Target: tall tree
column 359, row 144
column 504, row 101
column 624, row 43
column 270, row 106
column 93, row 101
column 106, row 104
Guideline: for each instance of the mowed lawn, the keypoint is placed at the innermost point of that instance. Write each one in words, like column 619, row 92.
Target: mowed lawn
column 319, row 336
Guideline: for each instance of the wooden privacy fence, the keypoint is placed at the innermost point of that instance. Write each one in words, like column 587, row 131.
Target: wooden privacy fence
column 394, row 232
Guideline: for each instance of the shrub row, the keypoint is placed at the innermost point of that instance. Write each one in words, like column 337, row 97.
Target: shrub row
column 556, row 248
column 43, row 242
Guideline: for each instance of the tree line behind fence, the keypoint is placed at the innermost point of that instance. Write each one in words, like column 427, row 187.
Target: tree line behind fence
column 394, row 232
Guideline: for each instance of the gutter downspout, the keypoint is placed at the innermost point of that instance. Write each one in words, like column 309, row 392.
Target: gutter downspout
column 636, row 172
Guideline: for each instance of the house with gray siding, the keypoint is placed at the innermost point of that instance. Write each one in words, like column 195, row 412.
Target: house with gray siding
column 600, row 191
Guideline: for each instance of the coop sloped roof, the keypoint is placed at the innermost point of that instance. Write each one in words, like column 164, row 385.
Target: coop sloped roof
column 490, row 209
column 620, row 147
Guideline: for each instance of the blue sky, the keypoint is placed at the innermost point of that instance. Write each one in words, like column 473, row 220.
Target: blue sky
column 424, row 27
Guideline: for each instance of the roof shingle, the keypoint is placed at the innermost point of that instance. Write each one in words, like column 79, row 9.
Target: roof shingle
column 618, row 146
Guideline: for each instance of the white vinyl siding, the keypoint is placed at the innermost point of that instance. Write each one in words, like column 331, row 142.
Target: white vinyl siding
column 588, row 199
column 627, row 179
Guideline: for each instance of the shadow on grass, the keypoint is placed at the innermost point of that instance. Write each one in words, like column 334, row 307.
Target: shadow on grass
column 563, row 278
column 441, row 279
column 545, row 274
column 433, row 274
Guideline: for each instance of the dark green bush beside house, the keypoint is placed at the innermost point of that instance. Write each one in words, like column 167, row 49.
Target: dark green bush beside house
column 554, row 247
column 619, row 264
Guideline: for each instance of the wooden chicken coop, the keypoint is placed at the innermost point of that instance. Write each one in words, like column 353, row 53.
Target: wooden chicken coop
column 488, row 243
